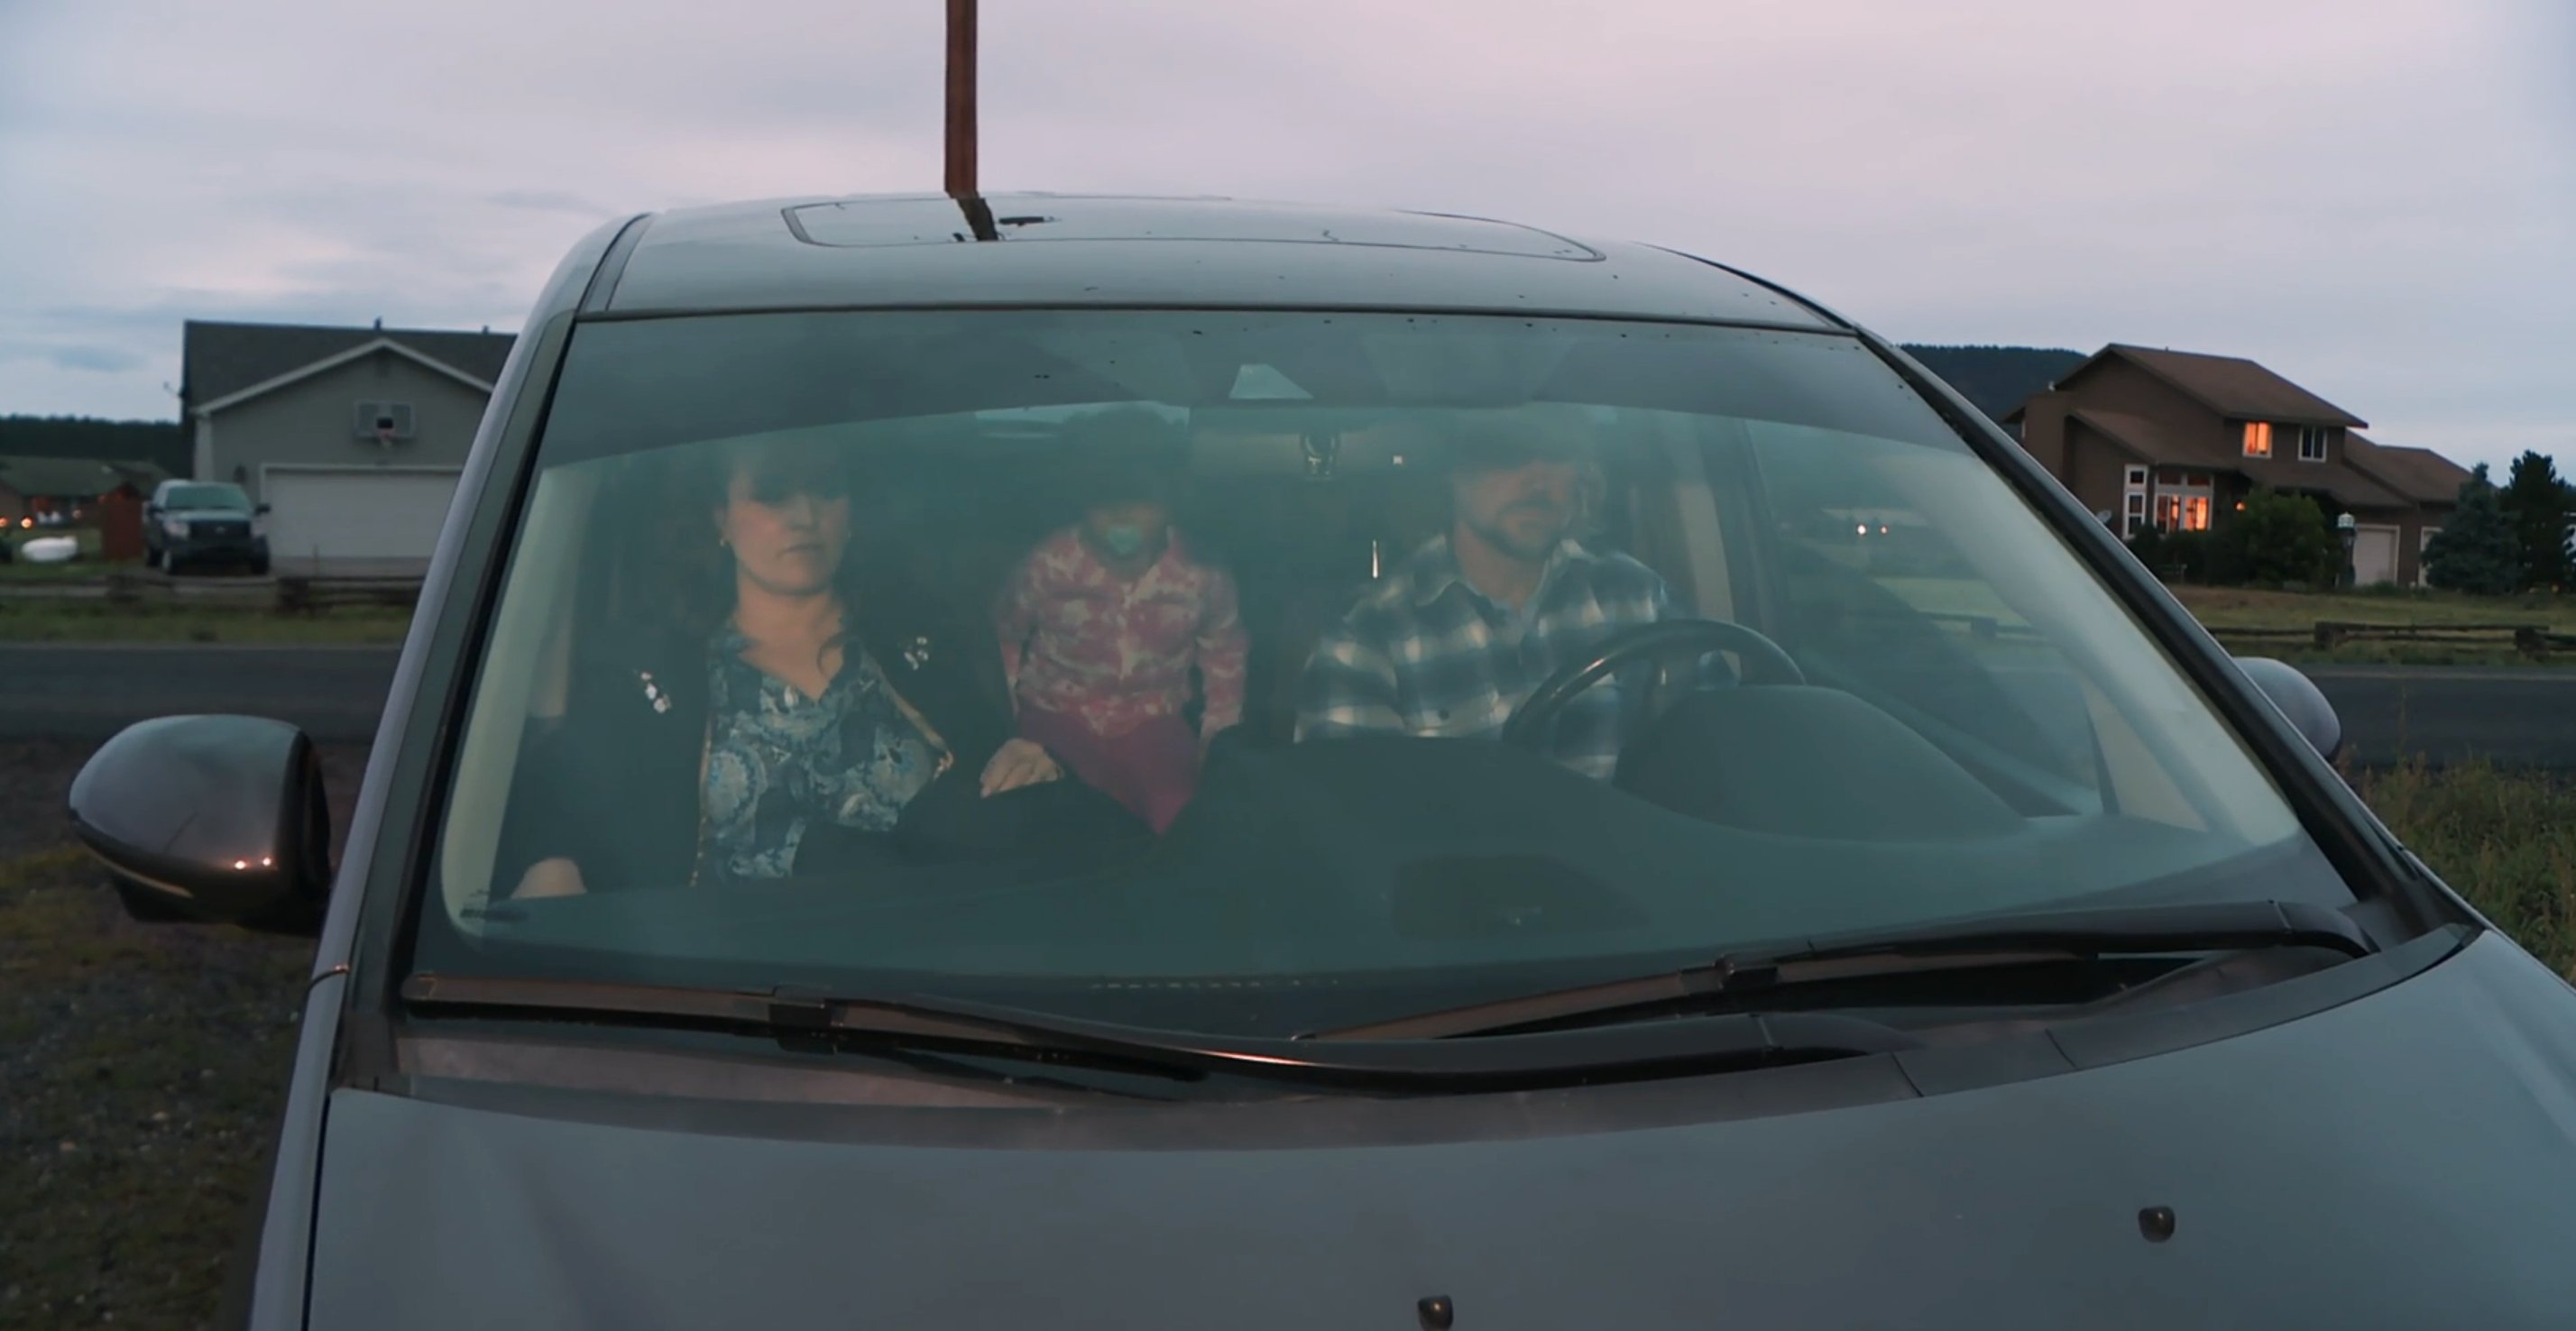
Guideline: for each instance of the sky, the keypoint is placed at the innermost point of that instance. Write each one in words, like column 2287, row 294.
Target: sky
column 2376, row 198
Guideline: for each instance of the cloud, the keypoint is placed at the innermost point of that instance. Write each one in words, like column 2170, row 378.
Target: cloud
column 545, row 201
column 97, row 360
column 2373, row 199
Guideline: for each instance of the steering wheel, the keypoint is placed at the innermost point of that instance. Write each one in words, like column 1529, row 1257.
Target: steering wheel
column 1765, row 662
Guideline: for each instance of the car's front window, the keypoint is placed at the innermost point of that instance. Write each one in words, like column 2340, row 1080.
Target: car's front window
column 1178, row 668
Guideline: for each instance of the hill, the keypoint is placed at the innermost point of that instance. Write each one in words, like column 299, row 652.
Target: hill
column 1997, row 379
column 159, row 442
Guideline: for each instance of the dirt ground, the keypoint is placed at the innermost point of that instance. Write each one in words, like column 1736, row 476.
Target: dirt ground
column 142, row 1067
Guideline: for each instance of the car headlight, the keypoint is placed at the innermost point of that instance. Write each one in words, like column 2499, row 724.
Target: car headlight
column 174, row 526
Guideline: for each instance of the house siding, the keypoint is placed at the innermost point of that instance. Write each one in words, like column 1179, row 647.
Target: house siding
column 2094, row 469
column 309, row 423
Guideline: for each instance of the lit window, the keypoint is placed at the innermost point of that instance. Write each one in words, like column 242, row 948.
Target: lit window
column 2258, row 439
column 2195, row 514
column 2312, row 443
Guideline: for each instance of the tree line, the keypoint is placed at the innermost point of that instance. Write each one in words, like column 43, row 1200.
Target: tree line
column 159, row 442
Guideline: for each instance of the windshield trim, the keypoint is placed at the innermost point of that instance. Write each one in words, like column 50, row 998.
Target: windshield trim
column 1838, row 331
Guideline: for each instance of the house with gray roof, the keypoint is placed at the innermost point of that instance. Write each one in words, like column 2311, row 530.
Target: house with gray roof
column 2176, row 440
column 32, row 485
column 353, row 436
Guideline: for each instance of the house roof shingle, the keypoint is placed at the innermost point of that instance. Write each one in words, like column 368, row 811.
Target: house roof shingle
column 75, row 478
column 2152, row 443
column 2232, row 386
column 220, row 359
column 2420, row 474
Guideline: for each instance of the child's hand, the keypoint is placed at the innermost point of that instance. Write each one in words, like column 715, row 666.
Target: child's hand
column 1019, row 763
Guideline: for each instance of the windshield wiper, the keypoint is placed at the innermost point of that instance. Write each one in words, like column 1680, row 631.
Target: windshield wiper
column 1989, row 941
column 1707, row 1044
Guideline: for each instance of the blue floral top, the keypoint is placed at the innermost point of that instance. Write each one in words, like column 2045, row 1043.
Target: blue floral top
column 778, row 760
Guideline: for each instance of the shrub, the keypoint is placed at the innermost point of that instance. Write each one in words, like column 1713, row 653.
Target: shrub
column 2196, row 553
column 2148, row 547
column 2281, row 539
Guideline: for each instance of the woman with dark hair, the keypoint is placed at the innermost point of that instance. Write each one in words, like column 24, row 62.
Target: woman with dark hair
column 786, row 721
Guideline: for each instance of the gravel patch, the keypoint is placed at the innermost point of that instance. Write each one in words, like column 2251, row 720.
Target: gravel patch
column 144, row 1065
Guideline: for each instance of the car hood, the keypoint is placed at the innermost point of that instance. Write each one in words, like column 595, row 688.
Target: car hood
column 207, row 514
column 2404, row 1159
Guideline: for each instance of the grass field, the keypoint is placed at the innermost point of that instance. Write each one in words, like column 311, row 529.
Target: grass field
column 19, row 570
column 2239, row 607
column 2506, row 840
column 2221, row 609
column 143, row 1062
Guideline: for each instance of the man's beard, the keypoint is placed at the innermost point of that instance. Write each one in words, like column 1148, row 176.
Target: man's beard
column 1499, row 532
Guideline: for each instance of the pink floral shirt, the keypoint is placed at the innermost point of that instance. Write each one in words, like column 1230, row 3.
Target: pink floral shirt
column 1077, row 640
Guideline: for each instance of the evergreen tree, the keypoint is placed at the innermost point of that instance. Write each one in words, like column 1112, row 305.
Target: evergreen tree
column 2535, row 502
column 2476, row 550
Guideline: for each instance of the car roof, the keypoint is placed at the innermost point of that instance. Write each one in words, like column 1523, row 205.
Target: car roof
column 934, row 250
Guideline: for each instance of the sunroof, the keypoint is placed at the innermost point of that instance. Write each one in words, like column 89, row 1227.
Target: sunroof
column 1024, row 219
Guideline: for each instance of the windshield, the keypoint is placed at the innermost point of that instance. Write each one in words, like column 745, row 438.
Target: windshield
column 1228, row 671
column 207, row 497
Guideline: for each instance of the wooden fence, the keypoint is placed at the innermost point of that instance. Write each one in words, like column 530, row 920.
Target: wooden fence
column 287, row 593
column 305, row 595
column 2536, row 640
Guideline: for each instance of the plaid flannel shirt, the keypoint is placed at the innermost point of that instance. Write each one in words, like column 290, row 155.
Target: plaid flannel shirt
column 1426, row 654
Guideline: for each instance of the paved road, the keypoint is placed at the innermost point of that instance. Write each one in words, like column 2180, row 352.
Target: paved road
column 89, row 693
column 336, row 694
column 2446, row 714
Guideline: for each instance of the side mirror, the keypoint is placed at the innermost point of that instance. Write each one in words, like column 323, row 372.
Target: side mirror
column 2299, row 699
column 216, row 818
column 261, row 510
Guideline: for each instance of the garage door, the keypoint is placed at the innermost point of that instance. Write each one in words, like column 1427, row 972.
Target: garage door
column 2374, row 555
column 355, row 514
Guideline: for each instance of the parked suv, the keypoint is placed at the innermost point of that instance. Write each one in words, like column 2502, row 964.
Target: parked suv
column 198, row 523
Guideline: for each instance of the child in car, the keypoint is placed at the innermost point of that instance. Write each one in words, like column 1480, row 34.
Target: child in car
column 1104, row 623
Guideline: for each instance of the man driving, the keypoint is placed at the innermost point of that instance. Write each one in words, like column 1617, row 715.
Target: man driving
column 1460, row 633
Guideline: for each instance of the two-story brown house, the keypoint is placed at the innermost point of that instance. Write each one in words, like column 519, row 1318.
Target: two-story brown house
column 2176, row 440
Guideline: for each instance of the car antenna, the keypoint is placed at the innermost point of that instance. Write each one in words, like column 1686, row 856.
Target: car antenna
column 961, row 121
